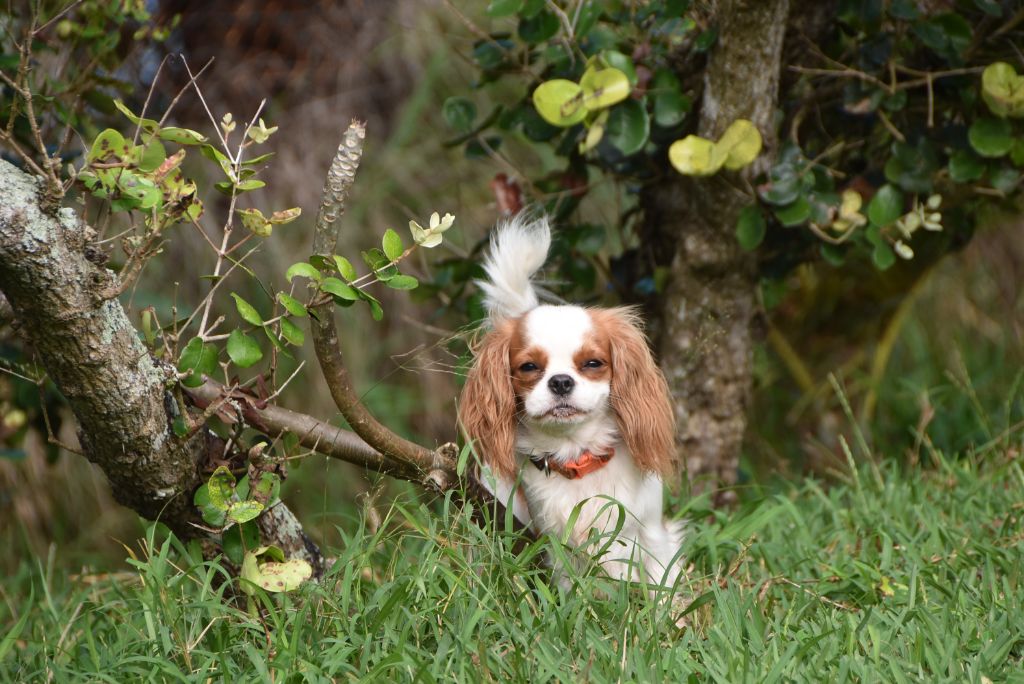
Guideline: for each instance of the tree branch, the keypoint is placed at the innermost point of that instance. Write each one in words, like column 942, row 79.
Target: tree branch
column 435, row 468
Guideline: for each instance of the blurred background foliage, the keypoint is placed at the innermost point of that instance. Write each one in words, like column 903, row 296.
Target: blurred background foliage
column 950, row 353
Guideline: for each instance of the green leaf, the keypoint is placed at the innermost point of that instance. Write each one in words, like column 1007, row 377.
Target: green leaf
column 380, row 264
column 292, row 305
column 198, row 359
column 237, row 539
column 628, row 127
column 503, row 8
column 304, row 269
column 750, row 228
column 964, row 167
column 403, row 282
column 603, row 88
column 991, row 137
column 221, row 488
column 1017, row 152
column 539, row 27
column 292, row 333
column 151, row 156
column 1003, row 90
column 272, row 576
column 1004, row 179
column 339, row 289
column 459, row 113
column 560, row 102
column 886, row 206
column 212, row 515
column 392, row 245
column 670, row 105
column 255, row 222
column 345, row 268
column 883, row 256
column 242, row 349
column 244, row 511
column 247, row 311
column 794, row 214
column 147, row 125
column 181, row 136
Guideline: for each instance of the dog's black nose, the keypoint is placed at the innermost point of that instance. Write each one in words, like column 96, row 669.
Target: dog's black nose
column 561, row 384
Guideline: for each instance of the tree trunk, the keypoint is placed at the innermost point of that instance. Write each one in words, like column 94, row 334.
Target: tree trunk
column 91, row 351
column 710, row 301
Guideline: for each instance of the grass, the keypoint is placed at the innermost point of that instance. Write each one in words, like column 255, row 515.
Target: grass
column 895, row 575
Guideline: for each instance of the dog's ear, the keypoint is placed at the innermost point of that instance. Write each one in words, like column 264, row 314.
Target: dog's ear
column 488, row 404
column 639, row 394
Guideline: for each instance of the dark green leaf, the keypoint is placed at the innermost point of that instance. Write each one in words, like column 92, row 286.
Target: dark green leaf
column 459, row 113
column 750, row 228
column 199, row 359
column 538, row 28
column 238, row 539
column 964, row 167
column 794, row 214
column 628, row 127
column 1004, row 179
column 991, row 137
column 886, row 206
column 503, row 8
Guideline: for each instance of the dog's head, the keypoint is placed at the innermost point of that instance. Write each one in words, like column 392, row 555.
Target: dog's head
column 557, row 370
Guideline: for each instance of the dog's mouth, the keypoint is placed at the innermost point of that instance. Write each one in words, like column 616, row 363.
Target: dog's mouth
column 563, row 412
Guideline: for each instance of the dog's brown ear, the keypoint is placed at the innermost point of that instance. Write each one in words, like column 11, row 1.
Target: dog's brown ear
column 640, row 395
column 488, row 404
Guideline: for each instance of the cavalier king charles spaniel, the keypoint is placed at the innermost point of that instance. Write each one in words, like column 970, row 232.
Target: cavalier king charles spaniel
column 567, row 402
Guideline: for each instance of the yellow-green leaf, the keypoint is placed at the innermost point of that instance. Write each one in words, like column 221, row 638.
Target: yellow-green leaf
column 604, row 87
column 272, row 576
column 692, row 156
column 739, row 145
column 254, row 220
column 1003, row 90
column 279, row 218
column 560, row 102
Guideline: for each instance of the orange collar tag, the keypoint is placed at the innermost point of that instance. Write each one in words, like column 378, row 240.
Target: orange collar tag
column 588, row 462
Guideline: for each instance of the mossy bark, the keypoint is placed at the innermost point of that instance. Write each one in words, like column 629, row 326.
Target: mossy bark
column 117, row 391
column 710, row 303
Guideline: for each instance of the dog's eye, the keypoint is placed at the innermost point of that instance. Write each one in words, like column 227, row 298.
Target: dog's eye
column 528, row 367
column 593, row 363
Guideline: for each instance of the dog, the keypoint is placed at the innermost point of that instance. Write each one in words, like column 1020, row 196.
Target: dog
column 569, row 402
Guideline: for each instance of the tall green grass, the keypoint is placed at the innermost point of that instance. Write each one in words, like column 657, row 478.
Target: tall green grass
column 895, row 575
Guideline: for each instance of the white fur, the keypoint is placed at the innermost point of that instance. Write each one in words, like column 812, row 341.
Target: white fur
column 519, row 248
column 646, row 546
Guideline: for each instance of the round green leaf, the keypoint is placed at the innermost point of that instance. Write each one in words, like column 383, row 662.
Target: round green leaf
column 886, row 206
column 459, row 113
column 794, row 214
column 247, row 311
column 691, row 156
column 242, row 349
column 670, row 105
column 883, row 256
column 392, row 245
column 560, row 102
column 964, row 167
column 604, row 87
column 292, row 305
column 628, row 127
column 750, row 228
column 991, row 137
column 198, row 359
column 539, row 27
column 1004, row 179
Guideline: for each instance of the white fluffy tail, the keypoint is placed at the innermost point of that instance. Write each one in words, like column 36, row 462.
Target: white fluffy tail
column 519, row 248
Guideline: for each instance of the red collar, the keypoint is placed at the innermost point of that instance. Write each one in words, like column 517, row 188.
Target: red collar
column 588, row 462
